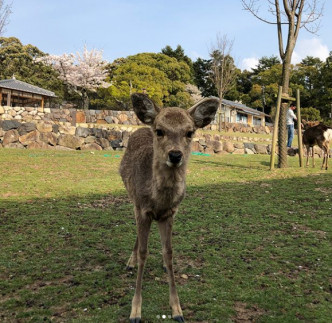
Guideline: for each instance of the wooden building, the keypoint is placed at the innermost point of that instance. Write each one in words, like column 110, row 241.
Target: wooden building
column 17, row 93
column 236, row 112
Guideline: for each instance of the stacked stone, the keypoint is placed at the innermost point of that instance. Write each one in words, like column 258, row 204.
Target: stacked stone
column 48, row 135
column 21, row 114
column 107, row 117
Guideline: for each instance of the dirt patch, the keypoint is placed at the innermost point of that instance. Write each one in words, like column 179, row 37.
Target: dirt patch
column 305, row 229
column 246, row 313
column 324, row 190
column 10, row 194
column 183, row 262
column 105, row 202
column 67, row 280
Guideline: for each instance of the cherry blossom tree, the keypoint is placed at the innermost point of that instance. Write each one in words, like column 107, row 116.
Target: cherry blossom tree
column 83, row 72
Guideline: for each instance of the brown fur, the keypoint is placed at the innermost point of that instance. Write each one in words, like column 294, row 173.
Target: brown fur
column 320, row 135
column 153, row 170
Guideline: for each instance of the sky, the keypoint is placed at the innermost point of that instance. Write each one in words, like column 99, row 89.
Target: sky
column 128, row 27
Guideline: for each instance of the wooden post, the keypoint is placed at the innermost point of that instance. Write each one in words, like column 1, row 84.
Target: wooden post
column 0, row 98
column 9, row 96
column 299, row 130
column 275, row 129
column 42, row 104
column 219, row 119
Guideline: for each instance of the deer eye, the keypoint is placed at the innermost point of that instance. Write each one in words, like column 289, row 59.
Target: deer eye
column 189, row 134
column 160, row 133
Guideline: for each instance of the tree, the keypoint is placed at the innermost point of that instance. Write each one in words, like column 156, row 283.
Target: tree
column 83, row 72
column 5, row 11
column 177, row 53
column 310, row 114
column 202, row 77
column 19, row 60
column 307, row 77
column 266, row 63
column 223, row 70
column 163, row 77
column 294, row 14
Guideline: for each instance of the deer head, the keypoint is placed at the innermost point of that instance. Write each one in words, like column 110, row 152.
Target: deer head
column 173, row 128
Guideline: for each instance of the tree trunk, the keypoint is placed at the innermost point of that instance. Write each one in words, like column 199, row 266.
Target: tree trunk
column 85, row 100
column 282, row 133
column 219, row 114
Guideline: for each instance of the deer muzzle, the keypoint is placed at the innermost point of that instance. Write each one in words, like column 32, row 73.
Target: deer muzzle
column 175, row 158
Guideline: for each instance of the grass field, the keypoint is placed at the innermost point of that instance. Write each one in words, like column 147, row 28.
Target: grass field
column 249, row 244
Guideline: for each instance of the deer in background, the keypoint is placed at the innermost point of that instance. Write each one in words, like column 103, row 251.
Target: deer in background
column 321, row 136
column 153, row 170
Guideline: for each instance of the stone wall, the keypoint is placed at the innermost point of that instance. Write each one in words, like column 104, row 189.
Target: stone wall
column 64, row 136
column 79, row 117
column 32, row 114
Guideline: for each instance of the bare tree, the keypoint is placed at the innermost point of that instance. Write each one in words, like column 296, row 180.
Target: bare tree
column 5, row 11
column 223, row 70
column 289, row 17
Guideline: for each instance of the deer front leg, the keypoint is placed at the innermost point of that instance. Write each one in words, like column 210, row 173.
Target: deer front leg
column 143, row 230
column 165, row 229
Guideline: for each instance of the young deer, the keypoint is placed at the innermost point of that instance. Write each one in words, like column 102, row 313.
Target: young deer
column 321, row 136
column 153, row 170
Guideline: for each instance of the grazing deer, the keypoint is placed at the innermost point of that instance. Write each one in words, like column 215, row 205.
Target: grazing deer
column 321, row 136
column 153, row 170
column 308, row 124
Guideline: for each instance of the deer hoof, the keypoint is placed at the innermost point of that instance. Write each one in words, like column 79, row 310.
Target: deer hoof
column 135, row 320
column 165, row 269
column 178, row 318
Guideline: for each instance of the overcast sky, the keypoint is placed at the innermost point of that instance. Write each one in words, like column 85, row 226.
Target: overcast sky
column 127, row 27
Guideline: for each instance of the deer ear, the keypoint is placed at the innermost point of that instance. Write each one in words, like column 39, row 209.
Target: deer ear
column 204, row 111
column 144, row 108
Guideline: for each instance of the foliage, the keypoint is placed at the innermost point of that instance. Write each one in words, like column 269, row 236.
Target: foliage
column 19, row 60
column 169, row 79
column 163, row 77
column 202, row 71
column 82, row 72
column 310, row 114
column 177, row 53
column 266, row 63
column 67, row 233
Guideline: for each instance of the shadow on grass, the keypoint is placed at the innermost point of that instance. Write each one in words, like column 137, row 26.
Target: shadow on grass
column 240, row 249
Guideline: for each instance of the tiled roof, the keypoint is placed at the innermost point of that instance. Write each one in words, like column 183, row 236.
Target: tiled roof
column 244, row 108
column 14, row 84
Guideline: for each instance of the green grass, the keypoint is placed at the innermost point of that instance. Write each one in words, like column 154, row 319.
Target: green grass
column 255, row 244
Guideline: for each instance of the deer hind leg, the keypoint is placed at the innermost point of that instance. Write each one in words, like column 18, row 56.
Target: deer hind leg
column 133, row 257
column 325, row 149
column 132, row 261
column 308, row 152
column 313, row 156
column 143, row 230
column 327, row 155
column 165, row 229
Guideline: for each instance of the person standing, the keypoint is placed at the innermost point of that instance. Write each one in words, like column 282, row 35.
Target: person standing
column 290, row 117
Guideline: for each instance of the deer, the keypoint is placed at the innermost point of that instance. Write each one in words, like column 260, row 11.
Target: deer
column 153, row 170
column 320, row 135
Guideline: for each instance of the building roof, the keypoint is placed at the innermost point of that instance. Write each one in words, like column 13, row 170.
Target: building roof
column 243, row 107
column 14, row 84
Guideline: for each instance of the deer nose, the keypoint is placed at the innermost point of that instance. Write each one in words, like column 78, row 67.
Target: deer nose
column 175, row 156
